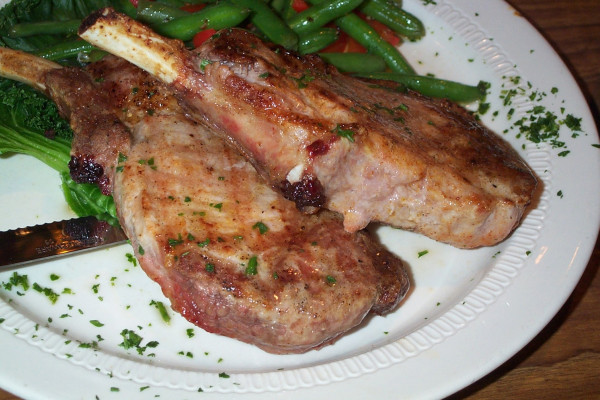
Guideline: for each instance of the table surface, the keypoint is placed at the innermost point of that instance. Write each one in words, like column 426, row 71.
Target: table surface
column 563, row 361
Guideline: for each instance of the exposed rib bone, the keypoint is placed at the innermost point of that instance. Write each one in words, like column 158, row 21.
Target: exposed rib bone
column 134, row 42
column 24, row 67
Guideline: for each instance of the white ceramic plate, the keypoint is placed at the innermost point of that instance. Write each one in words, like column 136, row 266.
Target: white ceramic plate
column 469, row 310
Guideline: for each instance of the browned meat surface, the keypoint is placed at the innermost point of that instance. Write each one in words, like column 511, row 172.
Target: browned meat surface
column 100, row 134
column 328, row 140
column 232, row 255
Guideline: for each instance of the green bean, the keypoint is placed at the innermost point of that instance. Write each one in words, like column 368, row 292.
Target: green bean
column 316, row 40
column 434, row 87
column 155, row 12
column 288, row 11
column 364, row 34
column 90, row 57
column 125, row 7
column 65, row 50
column 269, row 23
column 320, row 14
column 44, row 28
column 279, row 5
column 173, row 3
column 218, row 16
column 355, row 62
column 389, row 14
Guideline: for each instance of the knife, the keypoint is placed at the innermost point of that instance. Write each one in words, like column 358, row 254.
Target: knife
column 51, row 240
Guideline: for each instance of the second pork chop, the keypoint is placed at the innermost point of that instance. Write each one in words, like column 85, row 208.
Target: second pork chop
column 329, row 140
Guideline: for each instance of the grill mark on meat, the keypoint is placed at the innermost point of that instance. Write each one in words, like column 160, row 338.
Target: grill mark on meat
column 415, row 163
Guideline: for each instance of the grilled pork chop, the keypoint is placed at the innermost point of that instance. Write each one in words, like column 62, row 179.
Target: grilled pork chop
column 232, row 255
column 328, row 140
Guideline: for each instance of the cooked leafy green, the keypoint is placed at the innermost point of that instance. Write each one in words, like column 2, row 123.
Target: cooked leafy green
column 30, row 124
column 20, row 11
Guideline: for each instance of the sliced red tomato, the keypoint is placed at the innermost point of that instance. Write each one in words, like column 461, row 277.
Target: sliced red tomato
column 338, row 46
column 354, row 47
column 202, row 37
column 134, row 2
column 344, row 44
column 386, row 33
column 192, row 7
column 299, row 5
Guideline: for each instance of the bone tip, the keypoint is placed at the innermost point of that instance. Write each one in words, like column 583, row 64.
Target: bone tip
column 105, row 13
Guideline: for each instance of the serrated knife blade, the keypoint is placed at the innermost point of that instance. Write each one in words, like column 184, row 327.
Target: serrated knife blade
column 54, row 239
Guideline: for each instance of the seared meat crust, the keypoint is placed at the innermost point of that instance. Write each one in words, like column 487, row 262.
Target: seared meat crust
column 99, row 133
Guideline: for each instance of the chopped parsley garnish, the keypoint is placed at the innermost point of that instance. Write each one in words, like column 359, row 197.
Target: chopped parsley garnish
column 210, row 267
column 204, row 63
column 132, row 340
column 162, row 310
column 149, row 162
column 422, row 253
column 345, row 133
column 190, row 332
column 330, row 280
column 252, row 268
column 304, row 80
column 223, row 375
column 92, row 345
column 16, row 280
column 204, row 243
column 218, row 206
column 49, row 293
column 96, row 323
column 262, row 228
column 175, row 242
column 131, row 258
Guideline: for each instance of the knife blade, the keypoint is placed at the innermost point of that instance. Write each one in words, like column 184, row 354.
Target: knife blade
column 54, row 239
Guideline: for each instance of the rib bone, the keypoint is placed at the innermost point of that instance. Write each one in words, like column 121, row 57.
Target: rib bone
column 24, row 67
